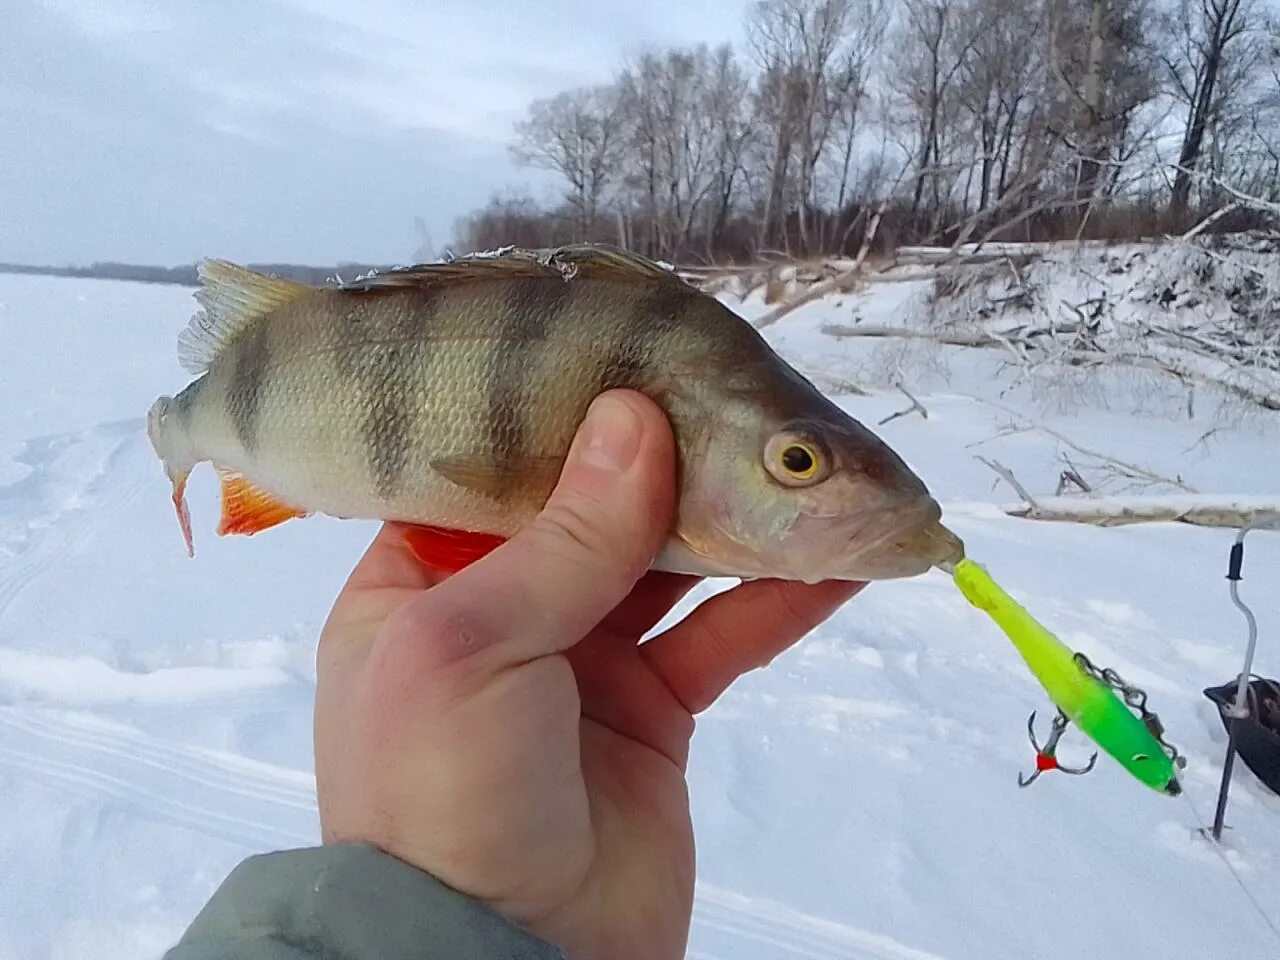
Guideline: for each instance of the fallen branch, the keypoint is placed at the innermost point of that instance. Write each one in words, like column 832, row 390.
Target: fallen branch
column 1263, row 397
column 816, row 292
column 916, row 407
column 940, row 256
column 974, row 338
column 1256, row 392
column 1244, row 199
column 1130, row 470
column 1212, row 219
column 1201, row 511
column 1007, row 475
column 830, row 383
column 833, row 285
column 1072, row 476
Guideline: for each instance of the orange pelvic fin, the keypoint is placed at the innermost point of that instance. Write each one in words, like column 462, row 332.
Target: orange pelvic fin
column 449, row 550
column 184, row 515
column 247, row 509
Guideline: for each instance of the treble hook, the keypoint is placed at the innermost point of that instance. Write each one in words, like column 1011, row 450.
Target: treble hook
column 1046, row 756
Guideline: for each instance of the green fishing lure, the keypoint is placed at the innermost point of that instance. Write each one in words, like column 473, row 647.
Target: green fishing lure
column 1084, row 695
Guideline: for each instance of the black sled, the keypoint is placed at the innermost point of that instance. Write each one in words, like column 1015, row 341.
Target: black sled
column 1257, row 735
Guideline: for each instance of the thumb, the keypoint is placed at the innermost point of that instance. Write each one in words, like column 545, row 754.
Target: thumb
column 544, row 589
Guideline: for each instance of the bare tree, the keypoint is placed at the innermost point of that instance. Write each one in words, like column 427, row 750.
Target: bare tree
column 674, row 145
column 576, row 134
column 813, row 57
column 727, row 110
column 999, row 91
column 934, row 43
column 1101, row 57
column 1257, row 158
column 851, row 88
column 775, row 114
column 1207, row 34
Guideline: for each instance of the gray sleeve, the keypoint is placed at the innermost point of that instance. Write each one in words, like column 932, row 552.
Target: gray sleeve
column 350, row 901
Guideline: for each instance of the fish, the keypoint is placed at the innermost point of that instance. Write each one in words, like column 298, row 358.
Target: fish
column 444, row 397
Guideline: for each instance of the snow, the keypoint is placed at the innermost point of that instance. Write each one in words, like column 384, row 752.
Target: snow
column 856, row 800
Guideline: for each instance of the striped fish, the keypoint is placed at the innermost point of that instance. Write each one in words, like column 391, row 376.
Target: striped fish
column 446, row 396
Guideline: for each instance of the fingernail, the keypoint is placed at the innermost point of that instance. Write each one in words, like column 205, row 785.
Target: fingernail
column 611, row 435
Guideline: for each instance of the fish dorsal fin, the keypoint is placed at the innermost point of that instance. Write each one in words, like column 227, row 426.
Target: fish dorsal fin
column 233, row 298
column 567, row 262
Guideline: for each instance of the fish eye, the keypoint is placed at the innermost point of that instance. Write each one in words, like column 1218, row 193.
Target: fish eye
column 795, row 461
column 800, row 460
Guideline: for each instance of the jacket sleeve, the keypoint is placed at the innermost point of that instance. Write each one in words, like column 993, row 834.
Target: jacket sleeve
column 350, row 901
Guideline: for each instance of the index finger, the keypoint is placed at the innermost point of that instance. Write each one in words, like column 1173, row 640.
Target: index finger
column 737, row 631
column 386, row 577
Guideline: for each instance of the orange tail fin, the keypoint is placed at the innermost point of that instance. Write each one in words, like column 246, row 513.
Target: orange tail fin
column 247, row 509
column 449, row 550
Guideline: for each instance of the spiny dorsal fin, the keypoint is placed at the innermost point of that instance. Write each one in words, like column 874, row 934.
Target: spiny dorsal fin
column 233, row 298
column 567, row 262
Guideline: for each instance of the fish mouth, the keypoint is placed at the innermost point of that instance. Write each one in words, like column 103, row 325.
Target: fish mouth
column 900, row 541
column 154, row 417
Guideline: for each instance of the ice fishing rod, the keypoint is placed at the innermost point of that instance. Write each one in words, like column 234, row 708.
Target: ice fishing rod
column 1239, row 710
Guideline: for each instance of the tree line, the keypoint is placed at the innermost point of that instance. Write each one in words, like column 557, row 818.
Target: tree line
column 937, row 120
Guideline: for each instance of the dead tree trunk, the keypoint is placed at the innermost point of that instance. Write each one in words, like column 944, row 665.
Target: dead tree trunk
column 1221, row 21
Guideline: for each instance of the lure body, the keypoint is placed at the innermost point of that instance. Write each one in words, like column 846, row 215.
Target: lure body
column 1086, row 701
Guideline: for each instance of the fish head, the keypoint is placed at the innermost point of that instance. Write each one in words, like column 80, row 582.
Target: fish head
column 809, row 496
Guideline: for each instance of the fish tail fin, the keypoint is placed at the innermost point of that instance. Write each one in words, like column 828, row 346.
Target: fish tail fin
column 162, row 433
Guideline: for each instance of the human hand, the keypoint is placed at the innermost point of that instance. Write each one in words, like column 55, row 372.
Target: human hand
column 503, row 728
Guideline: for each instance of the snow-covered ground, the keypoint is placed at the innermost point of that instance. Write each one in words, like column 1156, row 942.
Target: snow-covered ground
column 856, row 800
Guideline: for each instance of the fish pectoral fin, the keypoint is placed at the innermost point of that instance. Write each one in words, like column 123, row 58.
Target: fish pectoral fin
column 449, row 550
column 247, row 509
column 533, row 475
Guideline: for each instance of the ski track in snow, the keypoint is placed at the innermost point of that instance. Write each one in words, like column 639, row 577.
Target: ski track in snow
column 69, row 511
column 233, row 799
column 220, row 796
column 783, row 932
column 854, row 801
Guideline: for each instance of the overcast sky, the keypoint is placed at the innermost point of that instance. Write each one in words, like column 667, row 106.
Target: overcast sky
column 161, row 131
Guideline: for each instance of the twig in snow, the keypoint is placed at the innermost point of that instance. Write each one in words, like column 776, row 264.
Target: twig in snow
column 1072, row 476
column 1007, row 475
column 1128, row 469
column 1203, row 441
column 916, row 407
column 831, row 383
